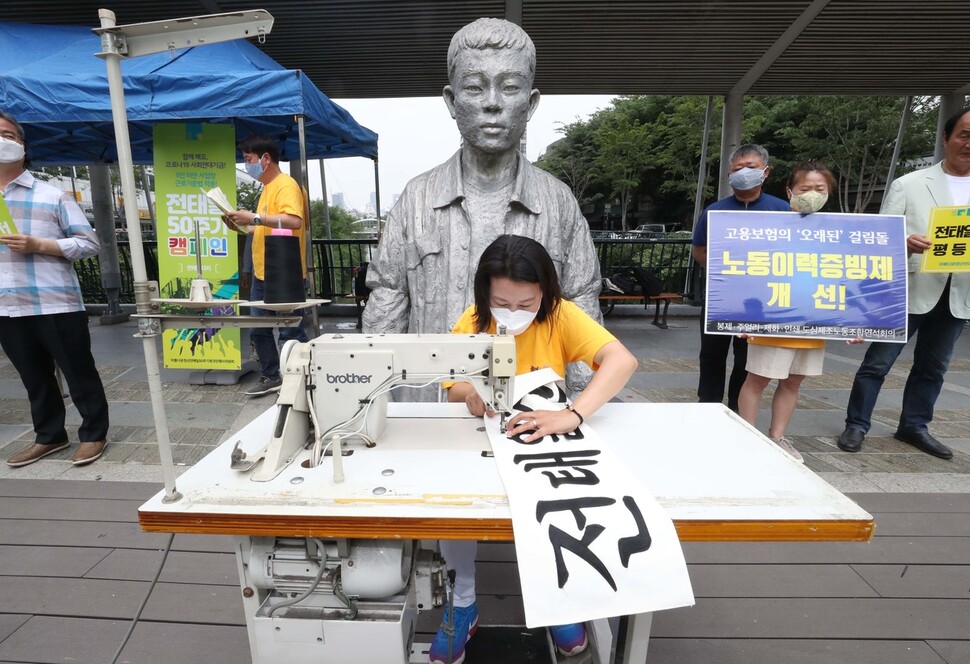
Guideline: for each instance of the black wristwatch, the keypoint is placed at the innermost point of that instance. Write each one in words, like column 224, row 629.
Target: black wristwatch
column 257, row 221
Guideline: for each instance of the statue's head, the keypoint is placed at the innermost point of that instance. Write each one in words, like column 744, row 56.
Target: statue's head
column 491, row 66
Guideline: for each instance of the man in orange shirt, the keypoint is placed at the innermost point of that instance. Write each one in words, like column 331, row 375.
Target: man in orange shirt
column 281, row 205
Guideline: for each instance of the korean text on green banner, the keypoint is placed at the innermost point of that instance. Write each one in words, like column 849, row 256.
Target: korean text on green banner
column 7, row 225
column 822, row 276
column 188, row 159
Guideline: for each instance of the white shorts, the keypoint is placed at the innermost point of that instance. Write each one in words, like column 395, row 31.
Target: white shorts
column 775, row 362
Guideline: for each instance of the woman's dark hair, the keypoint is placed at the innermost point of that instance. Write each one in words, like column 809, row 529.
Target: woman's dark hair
column 516, row 258
column 798, row 171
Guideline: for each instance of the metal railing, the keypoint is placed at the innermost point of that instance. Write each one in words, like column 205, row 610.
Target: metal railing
column 335, row 260
column 667, row 258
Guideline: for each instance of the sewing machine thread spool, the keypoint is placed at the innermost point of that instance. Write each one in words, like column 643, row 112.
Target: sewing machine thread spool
column 284, row 277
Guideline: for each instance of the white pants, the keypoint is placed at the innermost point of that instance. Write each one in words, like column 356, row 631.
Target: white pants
column 459, row 555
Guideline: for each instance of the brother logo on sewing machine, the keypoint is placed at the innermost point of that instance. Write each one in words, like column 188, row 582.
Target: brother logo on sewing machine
column 348, row 378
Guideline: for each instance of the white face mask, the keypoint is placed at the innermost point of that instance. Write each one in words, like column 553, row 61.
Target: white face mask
column 10, row 151
column 747, row 178
column 808, row 202
column 515, row 322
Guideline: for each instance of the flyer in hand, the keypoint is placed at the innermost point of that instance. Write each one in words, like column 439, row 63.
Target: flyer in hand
column 949, row 234
column 7, row 225
column 219, row 199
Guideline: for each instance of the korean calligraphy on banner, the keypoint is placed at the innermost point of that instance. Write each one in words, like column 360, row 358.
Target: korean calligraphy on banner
column 187, row 157
column 950, row 234
column 591, row 541
column 823, row 276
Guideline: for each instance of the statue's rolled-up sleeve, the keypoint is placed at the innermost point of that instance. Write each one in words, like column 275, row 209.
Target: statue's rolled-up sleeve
column 388, row 305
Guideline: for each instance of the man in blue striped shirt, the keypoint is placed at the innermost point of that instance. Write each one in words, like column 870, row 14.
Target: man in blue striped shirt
column 42, row 318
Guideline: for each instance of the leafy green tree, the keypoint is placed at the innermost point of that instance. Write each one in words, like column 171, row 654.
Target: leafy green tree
column 623, row 151
column 571, row 159
column 341, row 221
column 247, row 195
column 855, row 138
column 646, row 149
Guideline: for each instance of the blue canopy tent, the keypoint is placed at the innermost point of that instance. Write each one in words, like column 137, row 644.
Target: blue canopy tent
column 52, row 82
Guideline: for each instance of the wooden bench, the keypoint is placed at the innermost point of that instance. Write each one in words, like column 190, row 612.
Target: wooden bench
column 607, row 302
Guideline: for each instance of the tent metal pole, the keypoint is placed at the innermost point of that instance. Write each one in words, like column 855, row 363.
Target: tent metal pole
column 326, row 204
column 148, row 328
column 698, row 284
column 305, row 184
column 901, row 134
column 146, row 186
column 377, row 197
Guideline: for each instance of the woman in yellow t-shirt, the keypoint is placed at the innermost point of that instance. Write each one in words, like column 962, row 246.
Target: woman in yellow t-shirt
column 516, row 285
column 787, row 359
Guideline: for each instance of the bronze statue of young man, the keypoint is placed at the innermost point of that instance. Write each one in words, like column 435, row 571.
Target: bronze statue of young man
column 423, row 276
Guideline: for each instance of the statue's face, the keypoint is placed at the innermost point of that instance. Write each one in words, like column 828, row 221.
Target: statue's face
column 491, row 98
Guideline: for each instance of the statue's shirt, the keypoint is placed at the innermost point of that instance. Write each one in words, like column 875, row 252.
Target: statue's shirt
column 422, row 275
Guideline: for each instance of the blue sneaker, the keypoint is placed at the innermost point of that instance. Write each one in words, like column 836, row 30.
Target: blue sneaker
column 569, row 639
column 466, row 622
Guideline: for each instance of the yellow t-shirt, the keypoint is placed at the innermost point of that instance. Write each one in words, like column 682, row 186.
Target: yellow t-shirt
column 281, row 196
column 569, row 336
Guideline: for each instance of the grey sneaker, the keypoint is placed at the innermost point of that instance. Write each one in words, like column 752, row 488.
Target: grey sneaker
column 265, row 386
column 789, row 449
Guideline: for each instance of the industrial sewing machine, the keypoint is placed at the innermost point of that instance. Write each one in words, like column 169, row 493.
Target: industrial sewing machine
column 430, row 477
column 322, row 599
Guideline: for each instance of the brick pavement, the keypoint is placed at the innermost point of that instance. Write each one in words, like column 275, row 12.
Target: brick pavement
column 201, row 416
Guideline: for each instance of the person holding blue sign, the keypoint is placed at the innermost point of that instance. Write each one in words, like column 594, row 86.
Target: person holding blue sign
column 939, row 302
column 749, row 169
column 786, row 359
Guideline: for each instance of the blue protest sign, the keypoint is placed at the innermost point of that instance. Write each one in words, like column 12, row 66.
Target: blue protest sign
column 823, row 276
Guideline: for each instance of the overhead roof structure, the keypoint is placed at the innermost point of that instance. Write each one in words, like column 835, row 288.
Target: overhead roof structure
column 397, row 48
column 51, row 81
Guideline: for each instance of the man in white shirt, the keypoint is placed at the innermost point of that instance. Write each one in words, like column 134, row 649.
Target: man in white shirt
column 939, row 303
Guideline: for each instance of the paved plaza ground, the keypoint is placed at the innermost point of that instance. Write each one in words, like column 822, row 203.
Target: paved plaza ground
column 202, row 416
column 74, row 563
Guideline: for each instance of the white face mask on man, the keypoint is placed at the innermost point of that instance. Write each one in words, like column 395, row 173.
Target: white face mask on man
column 515, row 322
column 10, row 151
column 747, row 178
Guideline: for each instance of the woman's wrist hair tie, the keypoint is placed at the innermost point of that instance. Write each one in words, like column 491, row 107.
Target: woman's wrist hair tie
column 575, row 412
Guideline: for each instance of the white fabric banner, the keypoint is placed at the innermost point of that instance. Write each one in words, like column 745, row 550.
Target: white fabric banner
column 591, row 540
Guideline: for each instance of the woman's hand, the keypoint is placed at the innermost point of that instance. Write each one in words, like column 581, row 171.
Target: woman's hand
column 542, row 423
column 476, row 406
column 465, row 392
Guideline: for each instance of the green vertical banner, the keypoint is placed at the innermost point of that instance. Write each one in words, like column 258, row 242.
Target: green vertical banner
column 190, row 158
